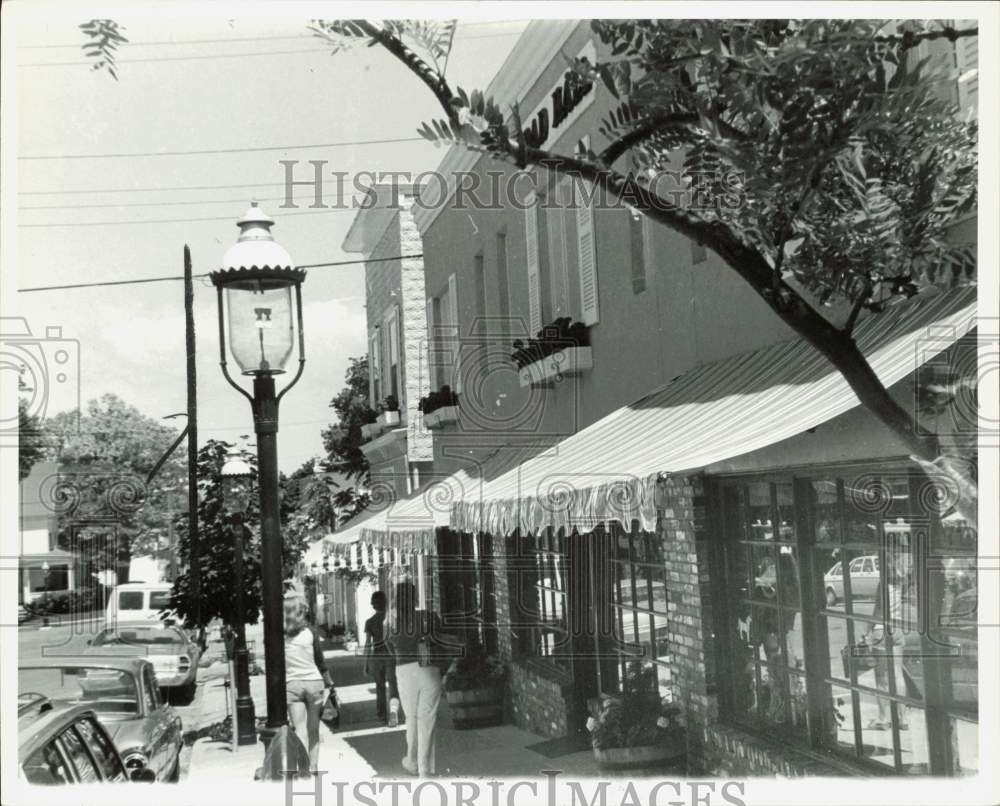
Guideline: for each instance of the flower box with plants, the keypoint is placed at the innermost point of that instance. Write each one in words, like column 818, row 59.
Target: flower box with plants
column 389, row 415
column 637, row 728
column 474, row 687
column 559, row 349
column 439, row 408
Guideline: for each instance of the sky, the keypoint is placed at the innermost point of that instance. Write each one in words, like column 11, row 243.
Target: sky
column 202, row 84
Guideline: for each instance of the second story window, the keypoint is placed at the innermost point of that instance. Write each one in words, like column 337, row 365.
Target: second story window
column 394, row 381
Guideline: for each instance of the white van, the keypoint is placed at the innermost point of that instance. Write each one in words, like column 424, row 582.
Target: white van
column 138, row 601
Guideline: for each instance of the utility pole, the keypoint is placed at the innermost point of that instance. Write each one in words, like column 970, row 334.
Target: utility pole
column 192, row 438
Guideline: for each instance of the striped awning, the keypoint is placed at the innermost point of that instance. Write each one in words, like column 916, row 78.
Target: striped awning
column 608, row 471
column 410, row 524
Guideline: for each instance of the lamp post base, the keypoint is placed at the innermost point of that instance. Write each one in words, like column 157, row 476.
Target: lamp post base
column 246, row 721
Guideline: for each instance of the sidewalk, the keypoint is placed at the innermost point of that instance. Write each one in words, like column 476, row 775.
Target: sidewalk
column 363, row 748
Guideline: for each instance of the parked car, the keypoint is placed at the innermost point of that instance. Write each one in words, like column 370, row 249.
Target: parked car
column 139, row 601
column 864, row 579
column 67, row 744
column 170, row 649
column 124, row 695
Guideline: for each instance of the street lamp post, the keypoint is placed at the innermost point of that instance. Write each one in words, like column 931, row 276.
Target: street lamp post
column 236, row 480
column 260, row 312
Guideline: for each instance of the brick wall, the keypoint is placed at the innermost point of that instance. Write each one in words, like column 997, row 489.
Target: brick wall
column 729, row 752
column 537, row 703
column 681, row 528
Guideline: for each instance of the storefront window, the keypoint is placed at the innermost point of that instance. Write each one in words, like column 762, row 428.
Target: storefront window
column 764, row 572
column 639, row 605
column 849, row 634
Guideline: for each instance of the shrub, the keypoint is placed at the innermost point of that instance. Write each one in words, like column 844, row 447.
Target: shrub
column 475, row 669
column 391, row 403
column 439, row 399
column 637, row 717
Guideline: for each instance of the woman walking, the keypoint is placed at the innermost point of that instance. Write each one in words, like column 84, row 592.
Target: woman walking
column 410, row 635
column 306, row 676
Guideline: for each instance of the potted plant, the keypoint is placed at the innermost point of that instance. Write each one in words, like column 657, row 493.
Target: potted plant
column 559, row 349
column 389, row 416
column 636, row 728
column 474, row 687
column 440, row 407
column 370, row 425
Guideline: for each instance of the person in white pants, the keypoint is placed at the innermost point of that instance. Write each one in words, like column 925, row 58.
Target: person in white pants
column 420, row 693
column 419, row 685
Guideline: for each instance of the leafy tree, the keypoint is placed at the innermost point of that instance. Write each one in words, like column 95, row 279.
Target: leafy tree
column 343, row 441
column 833, row 174
column 106, row 509
column 215, row 548
column 29, row 431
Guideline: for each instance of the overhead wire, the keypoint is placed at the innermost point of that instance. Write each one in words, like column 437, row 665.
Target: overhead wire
column 142, row 280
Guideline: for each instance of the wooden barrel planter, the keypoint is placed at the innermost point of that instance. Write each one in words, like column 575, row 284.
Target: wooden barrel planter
column 476, row 707
column 640, row 756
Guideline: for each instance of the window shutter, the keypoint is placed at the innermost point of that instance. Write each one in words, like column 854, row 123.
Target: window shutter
column 454, row 331
column 967, row 61
column 590, row 314
column 531, row 260
column 430, row 347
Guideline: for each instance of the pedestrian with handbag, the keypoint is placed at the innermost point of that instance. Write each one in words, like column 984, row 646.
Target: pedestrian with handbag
column 306, row 677
column 413, row 636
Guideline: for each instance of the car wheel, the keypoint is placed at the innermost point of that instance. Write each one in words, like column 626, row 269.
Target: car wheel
column 831, row 597
column 186, row 692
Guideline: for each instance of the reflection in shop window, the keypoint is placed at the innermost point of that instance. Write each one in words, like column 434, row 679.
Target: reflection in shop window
column 864, row 648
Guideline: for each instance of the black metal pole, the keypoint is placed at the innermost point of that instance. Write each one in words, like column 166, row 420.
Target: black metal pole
column 246, row 717
column 192, row 442
column 265, row 415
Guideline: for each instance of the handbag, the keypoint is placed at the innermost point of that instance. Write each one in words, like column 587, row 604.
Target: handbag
column 331, row 709
column 863, row 656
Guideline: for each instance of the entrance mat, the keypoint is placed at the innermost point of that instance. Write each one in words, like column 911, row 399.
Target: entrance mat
column 563, row 746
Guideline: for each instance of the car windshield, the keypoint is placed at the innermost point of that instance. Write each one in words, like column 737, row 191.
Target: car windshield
column 105, row 690
column 139, row 635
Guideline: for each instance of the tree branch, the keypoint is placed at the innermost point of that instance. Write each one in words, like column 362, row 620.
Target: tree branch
column 434, row 80
column 856, row 310
column 663, row 122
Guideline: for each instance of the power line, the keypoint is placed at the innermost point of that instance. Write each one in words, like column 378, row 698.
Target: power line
column 165, row 220
column 144, row 190
column 165, row 204
column 220, row 150
column 150, row 43
column 143, row 280
column 250, row 54
column 181, row 58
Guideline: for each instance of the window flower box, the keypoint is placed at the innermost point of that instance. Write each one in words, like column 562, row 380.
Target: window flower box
column 371, row 430
column 559, row 349
column 439, row 408
column 558, row 365
column 388, row 419
column 441, row 417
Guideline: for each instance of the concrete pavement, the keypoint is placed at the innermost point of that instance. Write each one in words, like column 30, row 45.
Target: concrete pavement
column 363, row 749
